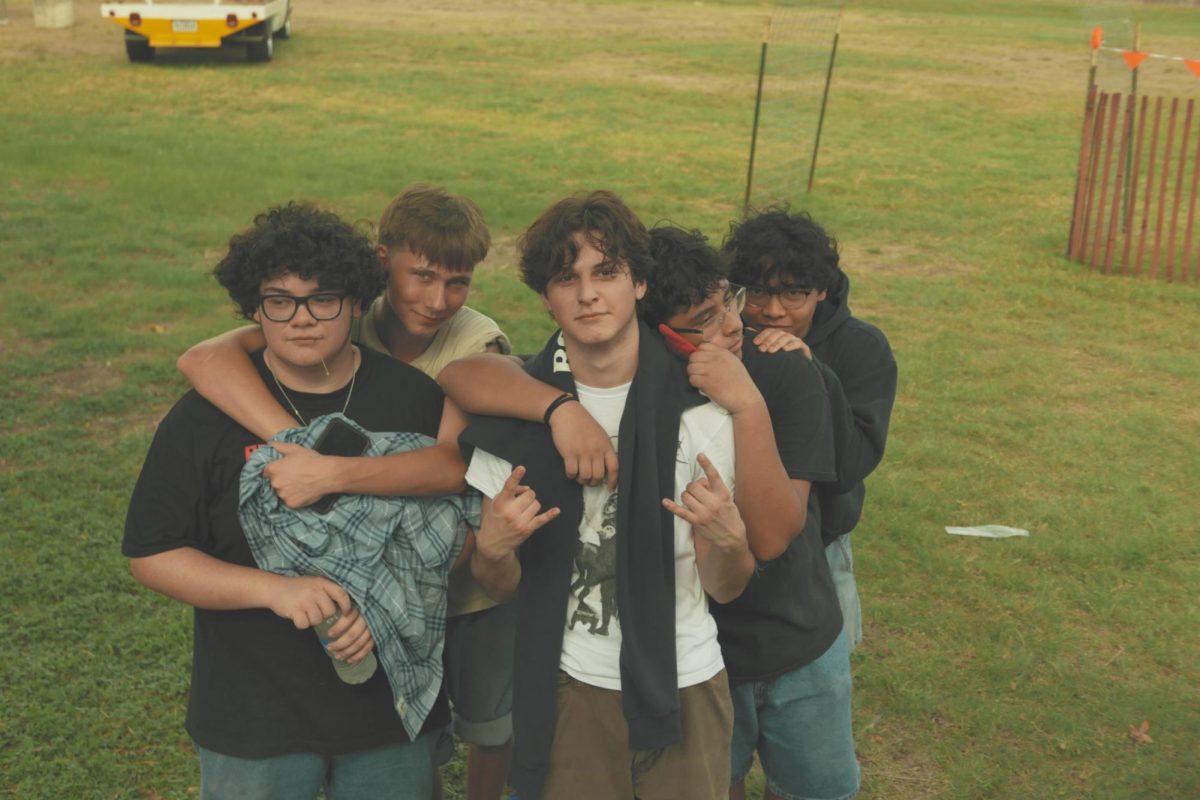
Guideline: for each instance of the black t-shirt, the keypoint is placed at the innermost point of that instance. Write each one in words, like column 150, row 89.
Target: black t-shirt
column 788, row 615
column 260, row 687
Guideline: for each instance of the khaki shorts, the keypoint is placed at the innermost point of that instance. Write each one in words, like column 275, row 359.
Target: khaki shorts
column 591, row 760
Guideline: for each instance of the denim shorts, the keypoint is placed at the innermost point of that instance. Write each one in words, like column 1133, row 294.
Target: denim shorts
column 400, row 772
column 479, row 676
column 841, row 564
column 799, row 723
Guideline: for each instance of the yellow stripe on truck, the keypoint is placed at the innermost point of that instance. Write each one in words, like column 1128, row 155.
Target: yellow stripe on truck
column 208, row 33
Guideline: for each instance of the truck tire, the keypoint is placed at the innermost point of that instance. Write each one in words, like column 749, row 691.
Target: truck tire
column 262, row 50
column 286, row 31
column 139, row 50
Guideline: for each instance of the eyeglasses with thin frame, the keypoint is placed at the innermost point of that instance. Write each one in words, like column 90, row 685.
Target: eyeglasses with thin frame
column 735, row 301
column 790, row 295
column 322, row 306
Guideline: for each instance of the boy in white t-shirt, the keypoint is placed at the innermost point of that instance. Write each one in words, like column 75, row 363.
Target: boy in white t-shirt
column 621, row 688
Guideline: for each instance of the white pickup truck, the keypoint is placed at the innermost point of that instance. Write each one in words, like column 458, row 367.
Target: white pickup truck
column 149, row 25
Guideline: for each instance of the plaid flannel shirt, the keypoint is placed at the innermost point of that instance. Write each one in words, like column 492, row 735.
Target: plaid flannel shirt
column 391, row 554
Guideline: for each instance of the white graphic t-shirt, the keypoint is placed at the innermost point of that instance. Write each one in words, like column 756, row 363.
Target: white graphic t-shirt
column 592, row 636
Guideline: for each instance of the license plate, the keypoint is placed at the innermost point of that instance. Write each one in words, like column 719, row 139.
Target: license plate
column 183, row 25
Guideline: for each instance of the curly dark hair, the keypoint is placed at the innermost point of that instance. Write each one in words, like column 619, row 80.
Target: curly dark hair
column 548, row 249
column 779, row 243
column 301, row 239
column 686, row 271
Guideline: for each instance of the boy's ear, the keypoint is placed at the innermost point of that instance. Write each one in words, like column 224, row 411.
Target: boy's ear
column 381, row 252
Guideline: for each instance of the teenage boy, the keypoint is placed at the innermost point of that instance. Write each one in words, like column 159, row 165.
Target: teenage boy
column 789, row 265
column 266, row 711
column 781, row 639
column 622, row 689
column 429, row 242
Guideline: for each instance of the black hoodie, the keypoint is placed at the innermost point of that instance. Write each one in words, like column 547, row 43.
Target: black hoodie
column 860, row 377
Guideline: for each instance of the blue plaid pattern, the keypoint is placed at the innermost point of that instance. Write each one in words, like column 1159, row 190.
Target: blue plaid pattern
column 391, row 554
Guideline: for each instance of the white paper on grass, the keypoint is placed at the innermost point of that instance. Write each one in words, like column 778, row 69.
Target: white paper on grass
column 988, row 531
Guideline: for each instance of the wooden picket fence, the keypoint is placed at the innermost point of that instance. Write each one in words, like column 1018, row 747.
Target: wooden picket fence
column 1133, row 186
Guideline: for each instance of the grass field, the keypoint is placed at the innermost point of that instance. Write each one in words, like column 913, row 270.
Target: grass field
column 1032, row 393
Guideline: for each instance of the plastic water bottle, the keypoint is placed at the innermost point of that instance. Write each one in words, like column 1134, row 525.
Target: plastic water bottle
column 349, row 673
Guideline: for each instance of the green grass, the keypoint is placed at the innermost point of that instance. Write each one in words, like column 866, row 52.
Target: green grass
column 1032, row 393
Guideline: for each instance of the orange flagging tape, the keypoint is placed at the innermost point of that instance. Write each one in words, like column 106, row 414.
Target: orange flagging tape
column 1097, row 37
column 1133, row 58
column 1193, row 64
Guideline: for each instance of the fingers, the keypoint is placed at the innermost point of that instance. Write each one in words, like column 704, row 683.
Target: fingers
column 287, row 448
column 596, row 466
column 526, row 518
column 589, row 465
column 351, row 640
column 587, row 470
column 513, row 482
column 710, row 473
column 543, row 518
column 309, row 615
column 682, row 512
column 345, row 622
column 338, row 598
column 359, row 650
column 512, row 515
column 610, row 469
column 702, row 498
column 321, row 607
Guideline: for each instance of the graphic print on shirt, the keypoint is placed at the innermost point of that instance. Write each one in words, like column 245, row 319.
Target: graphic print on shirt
column 594, row 584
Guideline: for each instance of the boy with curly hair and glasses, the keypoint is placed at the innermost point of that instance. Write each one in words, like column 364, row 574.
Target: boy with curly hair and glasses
column 266, row 711
column 795, row 284
column 429, row 242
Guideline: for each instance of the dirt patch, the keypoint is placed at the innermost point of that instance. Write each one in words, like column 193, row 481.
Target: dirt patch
column 89, row 36
column 109, row 428
column 502, row 254
column 14, row 346
column 898, row 260
column 89, row 378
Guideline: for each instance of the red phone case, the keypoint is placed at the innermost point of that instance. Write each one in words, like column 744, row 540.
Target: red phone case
column 676, row 342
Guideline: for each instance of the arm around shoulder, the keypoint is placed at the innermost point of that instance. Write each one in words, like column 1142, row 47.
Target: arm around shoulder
column 489, row 383
column 220, row 369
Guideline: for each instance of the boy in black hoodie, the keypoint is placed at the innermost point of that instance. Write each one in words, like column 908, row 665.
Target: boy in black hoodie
column 789, row 265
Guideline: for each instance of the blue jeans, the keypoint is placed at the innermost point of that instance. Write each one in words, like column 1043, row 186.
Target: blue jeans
column 841, row 564
column 800, row 725
column 398, row 772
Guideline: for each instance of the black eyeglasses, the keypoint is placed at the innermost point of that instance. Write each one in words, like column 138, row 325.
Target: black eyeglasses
column 790, row 296
column 735, row 301
column 322, row 306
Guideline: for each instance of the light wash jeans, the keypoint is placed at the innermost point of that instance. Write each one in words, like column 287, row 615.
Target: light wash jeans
column 397, row 772
column 800, row 725
column 841, row 564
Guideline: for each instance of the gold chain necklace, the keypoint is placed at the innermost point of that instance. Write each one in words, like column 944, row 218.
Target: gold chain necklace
column 296, row 411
